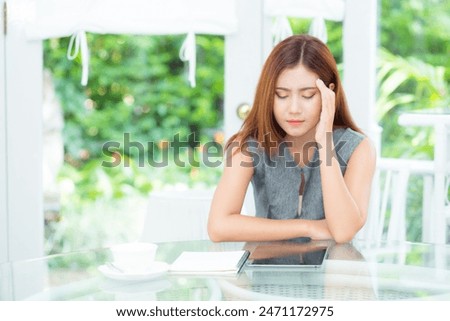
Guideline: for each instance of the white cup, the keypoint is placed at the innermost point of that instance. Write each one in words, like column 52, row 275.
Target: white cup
column 134, row 257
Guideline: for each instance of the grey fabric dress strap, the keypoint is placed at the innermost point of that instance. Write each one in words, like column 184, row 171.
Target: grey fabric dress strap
column 277, row 178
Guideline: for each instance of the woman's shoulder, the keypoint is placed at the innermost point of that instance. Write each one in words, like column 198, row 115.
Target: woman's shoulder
column 346, row 141
column 241, row 150
column 347, row 133
column 243, row 145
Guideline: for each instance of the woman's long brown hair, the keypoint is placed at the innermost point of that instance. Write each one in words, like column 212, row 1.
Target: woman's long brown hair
column 312, row 53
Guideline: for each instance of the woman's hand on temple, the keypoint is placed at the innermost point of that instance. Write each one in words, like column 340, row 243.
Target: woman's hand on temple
column 325, row 124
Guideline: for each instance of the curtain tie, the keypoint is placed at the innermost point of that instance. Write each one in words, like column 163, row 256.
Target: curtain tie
column 318, row 29
column 281, row 29
column 188, row 53
column 80, row 41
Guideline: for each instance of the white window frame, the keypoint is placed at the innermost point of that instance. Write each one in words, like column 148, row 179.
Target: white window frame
column 3, row 179
column 21, row 161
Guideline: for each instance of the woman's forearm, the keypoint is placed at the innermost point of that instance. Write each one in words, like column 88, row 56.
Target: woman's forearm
column 343, row 216
column 237, row 227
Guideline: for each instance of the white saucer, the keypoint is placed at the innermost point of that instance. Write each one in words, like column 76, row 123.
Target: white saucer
column 158, row 269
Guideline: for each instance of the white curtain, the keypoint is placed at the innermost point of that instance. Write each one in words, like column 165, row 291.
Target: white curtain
column 61, row 18
column 318, row 10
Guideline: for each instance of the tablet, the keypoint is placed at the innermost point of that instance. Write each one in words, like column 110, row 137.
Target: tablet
column 292, row 255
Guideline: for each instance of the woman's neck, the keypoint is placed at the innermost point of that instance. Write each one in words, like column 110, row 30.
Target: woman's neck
column 301, row 148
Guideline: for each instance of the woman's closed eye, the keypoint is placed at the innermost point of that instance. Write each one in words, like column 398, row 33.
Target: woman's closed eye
column 309, row 96
column 281, row 96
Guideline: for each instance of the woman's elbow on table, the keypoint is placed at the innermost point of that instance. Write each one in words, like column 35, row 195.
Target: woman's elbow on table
column 345, row 236
column 214, row 235
column 215, row 231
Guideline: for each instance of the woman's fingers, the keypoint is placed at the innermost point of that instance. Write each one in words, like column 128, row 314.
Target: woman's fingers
column 328, row 108
column 324, row 90
column 320, row 84
column 327, row 94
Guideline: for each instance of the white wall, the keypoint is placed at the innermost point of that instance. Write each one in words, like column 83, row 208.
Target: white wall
column 23, row 139
column 3, row 182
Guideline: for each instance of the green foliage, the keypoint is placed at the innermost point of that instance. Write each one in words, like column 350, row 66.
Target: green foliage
column 417, row 28
column 403, row 80
column 407, row 84
column 137, row 85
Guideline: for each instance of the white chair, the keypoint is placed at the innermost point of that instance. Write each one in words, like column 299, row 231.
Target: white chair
column 182, row 215
column 177, row 216
column 436, row 224
column 390, row 190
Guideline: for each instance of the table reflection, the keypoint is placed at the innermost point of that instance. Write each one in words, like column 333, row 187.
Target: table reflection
column 394, row 271
column 350, row 279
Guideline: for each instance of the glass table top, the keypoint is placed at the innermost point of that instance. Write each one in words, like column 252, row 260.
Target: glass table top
column 395, row 271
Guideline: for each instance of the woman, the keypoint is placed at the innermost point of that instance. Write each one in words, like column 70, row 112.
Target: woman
column 310, row 166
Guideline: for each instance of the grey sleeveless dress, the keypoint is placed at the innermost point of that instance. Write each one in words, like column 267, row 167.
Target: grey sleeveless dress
column 276, row 179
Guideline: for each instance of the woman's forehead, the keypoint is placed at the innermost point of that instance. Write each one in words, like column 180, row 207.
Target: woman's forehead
column 298, row 76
